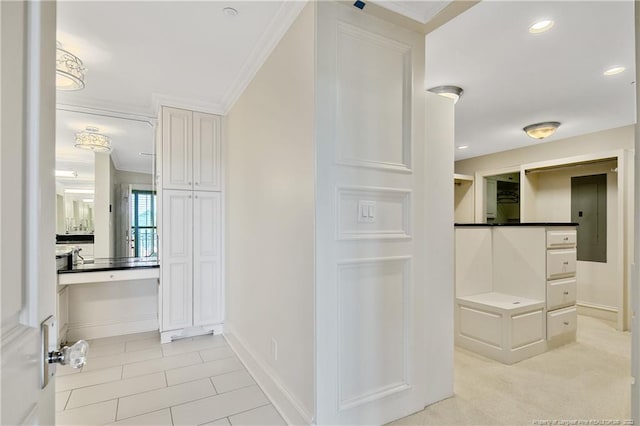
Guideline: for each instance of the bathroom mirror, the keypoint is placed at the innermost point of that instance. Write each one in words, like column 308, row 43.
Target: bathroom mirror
column 502, row 195
column 105, row 200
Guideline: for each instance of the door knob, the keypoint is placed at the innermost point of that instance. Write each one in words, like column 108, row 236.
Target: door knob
column 74, row 355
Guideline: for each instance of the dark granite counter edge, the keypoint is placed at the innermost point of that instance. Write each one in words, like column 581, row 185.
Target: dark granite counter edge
column 100, row 268
column 517, row 224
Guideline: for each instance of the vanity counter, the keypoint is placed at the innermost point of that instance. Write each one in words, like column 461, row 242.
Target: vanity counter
column 523, row 224
column 110, row 269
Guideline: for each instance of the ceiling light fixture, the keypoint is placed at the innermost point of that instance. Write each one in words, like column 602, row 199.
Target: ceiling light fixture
column 451, row 92
column 230, row 11
column 87, row 200
column 66, row 173
column 79, row 191
column 541, row 130
column 614, row 71
column 461, row 147
column 92, row 140
column 541, row 26
column 69, row 70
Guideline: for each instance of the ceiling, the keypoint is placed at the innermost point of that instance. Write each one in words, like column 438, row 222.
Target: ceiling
column 192, row 54
column 512, row 78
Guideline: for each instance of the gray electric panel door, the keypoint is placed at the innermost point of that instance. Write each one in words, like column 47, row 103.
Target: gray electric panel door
column 589, row 210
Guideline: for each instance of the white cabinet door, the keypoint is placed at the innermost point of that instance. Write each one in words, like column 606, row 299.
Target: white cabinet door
column 177, row 260
column 206, row 152
column 177, row 148
column 207, row 286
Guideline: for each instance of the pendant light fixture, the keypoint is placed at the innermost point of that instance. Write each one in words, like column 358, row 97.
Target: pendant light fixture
column 92, row 140
column 69, row 70
column 541, row 130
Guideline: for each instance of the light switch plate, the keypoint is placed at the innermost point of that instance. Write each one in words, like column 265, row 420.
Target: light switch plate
column 366, row 211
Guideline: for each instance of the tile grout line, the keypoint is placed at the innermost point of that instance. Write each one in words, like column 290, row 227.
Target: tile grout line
column 67, row 401
column 204, row 377
column 113, row 381
column 251, row 409
column 214, row 385
column 182, row 366
column 171, row 414
column 117, row 408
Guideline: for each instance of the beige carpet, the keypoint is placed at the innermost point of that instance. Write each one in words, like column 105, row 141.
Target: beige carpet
column 588, row 379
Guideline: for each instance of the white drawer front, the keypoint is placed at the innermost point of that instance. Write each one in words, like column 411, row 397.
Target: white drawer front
column 561, row 293
column 561, row 238
column 561, row 321
column 561, row 263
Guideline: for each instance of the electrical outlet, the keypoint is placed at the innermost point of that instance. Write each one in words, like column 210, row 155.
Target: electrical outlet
column 274, row 349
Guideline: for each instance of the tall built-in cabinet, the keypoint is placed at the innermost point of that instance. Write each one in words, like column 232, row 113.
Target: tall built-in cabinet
column 190, row 209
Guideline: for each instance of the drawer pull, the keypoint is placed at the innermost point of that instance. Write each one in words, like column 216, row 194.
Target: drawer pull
column 566, row 293
column 566, row 322
column 566, row 238
column 566, row 262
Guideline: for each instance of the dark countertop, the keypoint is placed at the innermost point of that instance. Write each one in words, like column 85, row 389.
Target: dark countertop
column 74, row 238
column 518, row 224
column 114, row 264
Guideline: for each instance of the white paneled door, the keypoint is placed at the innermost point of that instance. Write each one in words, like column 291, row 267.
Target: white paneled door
column 177, row 152
column 370, row 219
column 27, row 227
column 206, row 152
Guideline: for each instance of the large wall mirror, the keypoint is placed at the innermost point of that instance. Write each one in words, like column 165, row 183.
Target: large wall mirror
column 106, row 199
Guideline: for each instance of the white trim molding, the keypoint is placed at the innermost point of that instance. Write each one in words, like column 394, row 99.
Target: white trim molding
column 279, row 25
column 289, row 407
column 159, row 100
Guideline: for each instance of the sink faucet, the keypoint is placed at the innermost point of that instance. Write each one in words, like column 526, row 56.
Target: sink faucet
column 76, row 253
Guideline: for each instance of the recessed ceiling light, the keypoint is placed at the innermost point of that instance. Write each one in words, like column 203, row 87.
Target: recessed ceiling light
column 66, row 173
column 614, row 71
column 79, row 191
column 230, row 11
column 541, row 26
column 462, row 147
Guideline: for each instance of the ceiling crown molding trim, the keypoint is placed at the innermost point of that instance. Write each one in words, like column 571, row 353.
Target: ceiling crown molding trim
column 159, row 100
column 108, row 112
column 279, row 25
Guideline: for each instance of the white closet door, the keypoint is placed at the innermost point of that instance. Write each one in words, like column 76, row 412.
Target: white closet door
column 207, row 286
column 177, row 148
column 177, row 259
column 206, row 152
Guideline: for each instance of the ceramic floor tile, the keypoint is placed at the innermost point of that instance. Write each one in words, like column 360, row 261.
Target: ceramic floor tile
column 157, row 418
column 219, row 406
column 138, row 345
column 216, row 353
column 161, row 364
column 61, row 399
column 163, row 398
column 192, row 345
column 123, row 358
column 64, row 370
column 124, row 338
column 90, row 378
column 120, row 388
column 97, row 351
column 232, row 381
column 220, row 422
column 262, row 416
column 199, row 371
column 95, row 414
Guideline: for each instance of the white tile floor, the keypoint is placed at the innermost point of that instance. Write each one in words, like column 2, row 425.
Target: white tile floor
column 134, row 380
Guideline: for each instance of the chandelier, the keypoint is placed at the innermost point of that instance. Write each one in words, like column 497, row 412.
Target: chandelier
column 69, row 70
column 92, row 140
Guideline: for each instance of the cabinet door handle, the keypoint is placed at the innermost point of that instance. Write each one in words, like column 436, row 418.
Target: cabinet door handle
column 566, row 293
column 566, row 323
column 196, row 197
column 189, row 196
column 566, row 262
column 197, row 183
column 188, row 183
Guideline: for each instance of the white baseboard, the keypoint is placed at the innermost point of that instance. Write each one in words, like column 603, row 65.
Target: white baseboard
column 598, row 311
column 292, row 410
column 86, row 331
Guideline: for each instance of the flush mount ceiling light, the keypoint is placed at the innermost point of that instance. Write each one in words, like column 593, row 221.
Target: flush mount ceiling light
column 541, row 26
column 66, row 173
column 461, row 147
column 451, row 92
column 541, row 130
column 230, row 11
column 69, row 70
column 614, row 71
column 92, row 140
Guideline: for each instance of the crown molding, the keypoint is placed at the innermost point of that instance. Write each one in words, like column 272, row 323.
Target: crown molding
column 279, row 25
column 113, row 112
column 159, row 100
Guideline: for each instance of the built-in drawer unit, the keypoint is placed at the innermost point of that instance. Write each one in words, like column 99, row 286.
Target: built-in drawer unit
column 561, row 263
column 561, row 293
column 560, row 239
column 561, row 321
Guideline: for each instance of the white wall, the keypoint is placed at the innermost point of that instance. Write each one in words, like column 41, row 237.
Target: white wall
column 547, row 197
column 598, row 282
column 270, row 214
column 103, row 198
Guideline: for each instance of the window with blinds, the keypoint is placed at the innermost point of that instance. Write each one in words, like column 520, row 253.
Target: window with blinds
column 143, row 224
